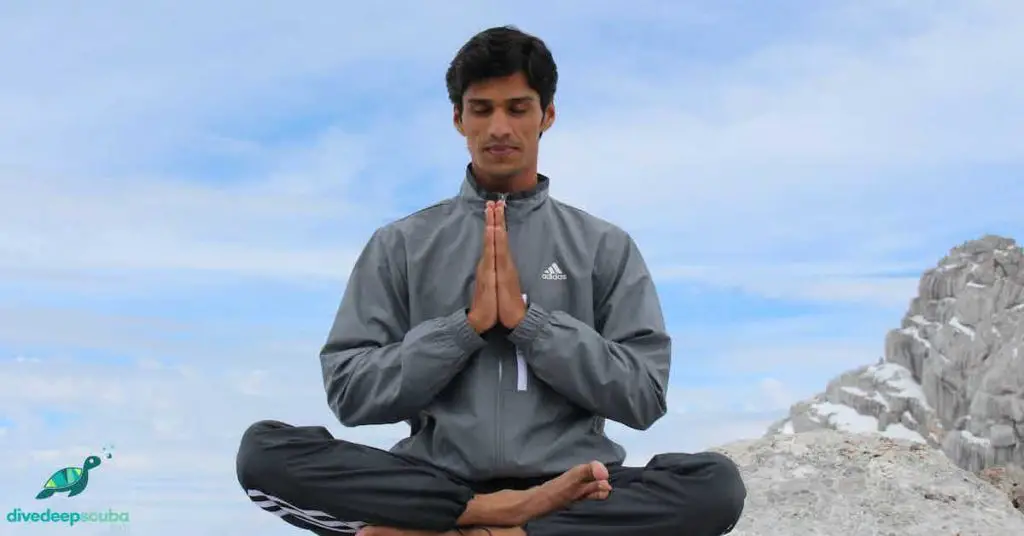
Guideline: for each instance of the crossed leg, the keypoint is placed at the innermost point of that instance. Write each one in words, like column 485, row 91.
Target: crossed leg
column 331, row 486
column 675, row 494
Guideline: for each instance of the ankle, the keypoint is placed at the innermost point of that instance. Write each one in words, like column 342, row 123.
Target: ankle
column 491, row 531
column 506, row 508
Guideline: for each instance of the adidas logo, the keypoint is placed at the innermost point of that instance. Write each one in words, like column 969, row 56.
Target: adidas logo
column 553, row 272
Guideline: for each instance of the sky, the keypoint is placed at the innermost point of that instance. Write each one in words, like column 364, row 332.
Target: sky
column 184, row 186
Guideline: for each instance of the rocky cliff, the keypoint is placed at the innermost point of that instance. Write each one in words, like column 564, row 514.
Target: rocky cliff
column 952, row 377
column 824, row 482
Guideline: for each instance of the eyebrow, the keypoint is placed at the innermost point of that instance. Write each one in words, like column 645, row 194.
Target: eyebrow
column 513, row 100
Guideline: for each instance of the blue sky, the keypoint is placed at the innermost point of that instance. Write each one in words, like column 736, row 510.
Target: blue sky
column 185, row 186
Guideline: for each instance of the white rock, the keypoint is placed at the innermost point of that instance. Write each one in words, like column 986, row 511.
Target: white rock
column 827, row 483
column 953, row 372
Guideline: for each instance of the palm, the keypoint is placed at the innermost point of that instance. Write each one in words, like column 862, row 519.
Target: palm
column 511, row 308
column 483, row 313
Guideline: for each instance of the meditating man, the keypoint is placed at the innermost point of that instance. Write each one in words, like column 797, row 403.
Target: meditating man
column 505, row 327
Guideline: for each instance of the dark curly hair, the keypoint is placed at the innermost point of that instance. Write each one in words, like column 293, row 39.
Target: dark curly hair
column 499, row 52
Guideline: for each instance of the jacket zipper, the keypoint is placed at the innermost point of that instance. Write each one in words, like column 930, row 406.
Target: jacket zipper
column 521, row 376
column 499, row 453
column 521, row 379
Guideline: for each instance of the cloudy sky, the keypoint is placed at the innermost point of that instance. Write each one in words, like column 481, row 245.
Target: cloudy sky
column 184, row 186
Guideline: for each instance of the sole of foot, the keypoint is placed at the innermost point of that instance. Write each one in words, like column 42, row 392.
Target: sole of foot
column 474, row 531
column 585, row 481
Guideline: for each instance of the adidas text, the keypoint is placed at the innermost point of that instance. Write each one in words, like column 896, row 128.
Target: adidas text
column 553, row 272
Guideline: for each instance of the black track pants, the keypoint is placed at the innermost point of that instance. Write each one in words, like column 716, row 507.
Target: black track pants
column 331, row 486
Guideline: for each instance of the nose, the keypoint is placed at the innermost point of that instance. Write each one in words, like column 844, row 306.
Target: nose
column 500, row 126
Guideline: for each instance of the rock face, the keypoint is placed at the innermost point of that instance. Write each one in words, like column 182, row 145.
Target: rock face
column 826, row 482
column 1009, row 480
column 953, row 374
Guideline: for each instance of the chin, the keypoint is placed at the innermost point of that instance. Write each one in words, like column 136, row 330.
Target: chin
column 499, row 170
column 501, row 173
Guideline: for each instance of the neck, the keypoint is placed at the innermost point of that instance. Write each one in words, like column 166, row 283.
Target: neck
column 508, row 184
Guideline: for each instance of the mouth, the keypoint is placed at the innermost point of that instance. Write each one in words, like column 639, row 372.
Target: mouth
column 500, row 150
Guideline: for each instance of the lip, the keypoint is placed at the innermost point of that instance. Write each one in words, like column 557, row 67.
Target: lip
column 500, row 149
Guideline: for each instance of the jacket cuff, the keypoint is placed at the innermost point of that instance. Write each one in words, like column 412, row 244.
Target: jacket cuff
column 528, row 329
column 465, row 337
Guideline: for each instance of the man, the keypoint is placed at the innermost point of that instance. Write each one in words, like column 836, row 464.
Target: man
column 505, row 327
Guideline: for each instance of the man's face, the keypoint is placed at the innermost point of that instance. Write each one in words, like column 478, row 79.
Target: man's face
column 502, row 121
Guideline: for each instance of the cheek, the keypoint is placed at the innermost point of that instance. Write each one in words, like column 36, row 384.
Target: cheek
column 529, row 138
column 528, row 128
column 473, row 132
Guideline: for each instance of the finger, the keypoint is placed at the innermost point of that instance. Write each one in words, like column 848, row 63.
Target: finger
column 500, row 245
column 593, row 490
column 487, row 262
column 489, row 226
column 499, row 214
column 586, row 490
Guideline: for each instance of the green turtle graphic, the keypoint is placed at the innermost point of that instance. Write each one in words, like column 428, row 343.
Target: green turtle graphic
column 73, row 479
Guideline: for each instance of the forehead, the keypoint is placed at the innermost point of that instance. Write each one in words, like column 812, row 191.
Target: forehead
column 509, row 88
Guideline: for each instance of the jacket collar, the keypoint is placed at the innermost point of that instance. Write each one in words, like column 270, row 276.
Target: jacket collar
column 518, row 204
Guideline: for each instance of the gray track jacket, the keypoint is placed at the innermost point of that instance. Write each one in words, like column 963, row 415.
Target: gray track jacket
column 530, row 402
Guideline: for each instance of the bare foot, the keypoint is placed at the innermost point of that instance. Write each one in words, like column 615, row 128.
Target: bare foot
column 512, row 508
column 599, row 495
column 391, row 531
column 466, row 531
column 585, row 481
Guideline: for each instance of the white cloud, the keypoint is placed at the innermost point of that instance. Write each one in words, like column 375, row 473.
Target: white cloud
column 808, row 148
column 755, row 398
column 264, row 227
column 786, row 147
column 818, row 282
column 777, row 396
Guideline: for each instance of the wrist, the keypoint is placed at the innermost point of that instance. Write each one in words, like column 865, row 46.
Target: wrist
column 474, row 322
column 518, row 318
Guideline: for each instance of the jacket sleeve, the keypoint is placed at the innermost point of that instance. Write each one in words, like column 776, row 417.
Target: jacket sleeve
column 376, row 368
column 619, row 370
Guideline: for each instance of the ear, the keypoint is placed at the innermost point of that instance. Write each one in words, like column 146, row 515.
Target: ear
column 549, row 117
column 457, row 120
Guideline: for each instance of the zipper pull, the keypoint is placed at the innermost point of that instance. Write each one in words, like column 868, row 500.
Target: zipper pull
column 501, row 197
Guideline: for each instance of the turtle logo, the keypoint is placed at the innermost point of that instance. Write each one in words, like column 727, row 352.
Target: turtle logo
column 72, row 480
